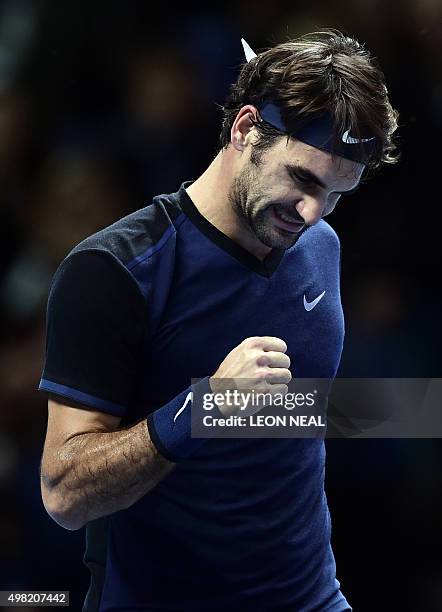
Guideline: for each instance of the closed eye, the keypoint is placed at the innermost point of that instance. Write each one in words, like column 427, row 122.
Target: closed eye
column 310, row 181
column 305, row 181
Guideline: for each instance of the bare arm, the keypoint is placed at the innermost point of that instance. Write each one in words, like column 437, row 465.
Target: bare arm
column 90, row 468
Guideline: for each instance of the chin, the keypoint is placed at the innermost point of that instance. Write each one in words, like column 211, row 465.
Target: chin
column 277, row 239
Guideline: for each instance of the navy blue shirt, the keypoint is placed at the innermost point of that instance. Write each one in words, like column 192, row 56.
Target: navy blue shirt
column 134, row 313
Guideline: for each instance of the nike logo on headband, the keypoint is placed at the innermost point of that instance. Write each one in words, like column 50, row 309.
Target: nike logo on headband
column 350, row 140
column 318, row 132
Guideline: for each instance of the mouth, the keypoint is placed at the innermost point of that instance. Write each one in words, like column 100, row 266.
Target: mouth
column 285, row 221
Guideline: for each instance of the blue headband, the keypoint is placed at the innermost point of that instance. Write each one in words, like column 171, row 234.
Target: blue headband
column 318, row 132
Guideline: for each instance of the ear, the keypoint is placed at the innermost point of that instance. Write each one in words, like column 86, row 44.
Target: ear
column 242, row 126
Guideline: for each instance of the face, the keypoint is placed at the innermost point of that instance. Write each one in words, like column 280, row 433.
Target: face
column 289, row 187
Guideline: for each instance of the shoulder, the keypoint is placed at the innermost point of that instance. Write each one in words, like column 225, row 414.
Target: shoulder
column 109, row 256
column 324, row 231
column 320, row 236
column 318, row 245
column 136, row 235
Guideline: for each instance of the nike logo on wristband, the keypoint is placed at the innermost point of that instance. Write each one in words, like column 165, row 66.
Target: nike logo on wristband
column 186, row 401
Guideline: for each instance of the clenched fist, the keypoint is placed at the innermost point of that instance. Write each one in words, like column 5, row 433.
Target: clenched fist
column 259, row 363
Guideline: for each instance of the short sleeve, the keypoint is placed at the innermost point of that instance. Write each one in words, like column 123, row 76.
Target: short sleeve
column 96, row 333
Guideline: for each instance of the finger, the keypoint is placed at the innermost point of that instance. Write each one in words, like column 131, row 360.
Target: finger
column 272, row 343
column 279, row 389
column 278, row 375
column 274, row 359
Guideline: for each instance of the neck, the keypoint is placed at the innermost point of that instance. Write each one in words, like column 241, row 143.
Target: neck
column 210, row 194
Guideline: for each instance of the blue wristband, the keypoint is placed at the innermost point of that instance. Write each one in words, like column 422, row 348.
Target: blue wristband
column 170, row 426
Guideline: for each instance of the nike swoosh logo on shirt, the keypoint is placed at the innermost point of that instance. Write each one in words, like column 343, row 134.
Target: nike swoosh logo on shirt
column 310, row 305
column 350, row 140
column 186, row 401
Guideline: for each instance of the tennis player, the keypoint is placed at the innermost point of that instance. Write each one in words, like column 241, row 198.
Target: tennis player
column 235, row 275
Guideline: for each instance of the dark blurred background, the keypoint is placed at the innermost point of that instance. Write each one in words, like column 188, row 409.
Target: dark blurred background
column 104, row 104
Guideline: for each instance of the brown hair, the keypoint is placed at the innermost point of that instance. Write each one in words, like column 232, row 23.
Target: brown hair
column 317, row 72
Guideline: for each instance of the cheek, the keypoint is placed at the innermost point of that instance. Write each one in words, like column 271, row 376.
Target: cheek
column 286, row 195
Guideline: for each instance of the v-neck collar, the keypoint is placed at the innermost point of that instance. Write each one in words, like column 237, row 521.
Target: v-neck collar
column 266, row 267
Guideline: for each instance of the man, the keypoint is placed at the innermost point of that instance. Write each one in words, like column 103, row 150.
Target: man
column 234, row 276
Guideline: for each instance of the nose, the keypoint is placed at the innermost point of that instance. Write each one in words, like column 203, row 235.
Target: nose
column 311, row 209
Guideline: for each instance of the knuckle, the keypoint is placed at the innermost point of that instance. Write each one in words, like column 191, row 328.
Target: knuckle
column 262, row 359
column 253, row 341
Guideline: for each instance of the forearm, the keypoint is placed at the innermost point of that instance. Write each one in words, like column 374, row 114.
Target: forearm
column 96, row 474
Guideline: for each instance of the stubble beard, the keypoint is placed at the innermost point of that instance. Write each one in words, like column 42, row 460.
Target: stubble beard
column 249, row 204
